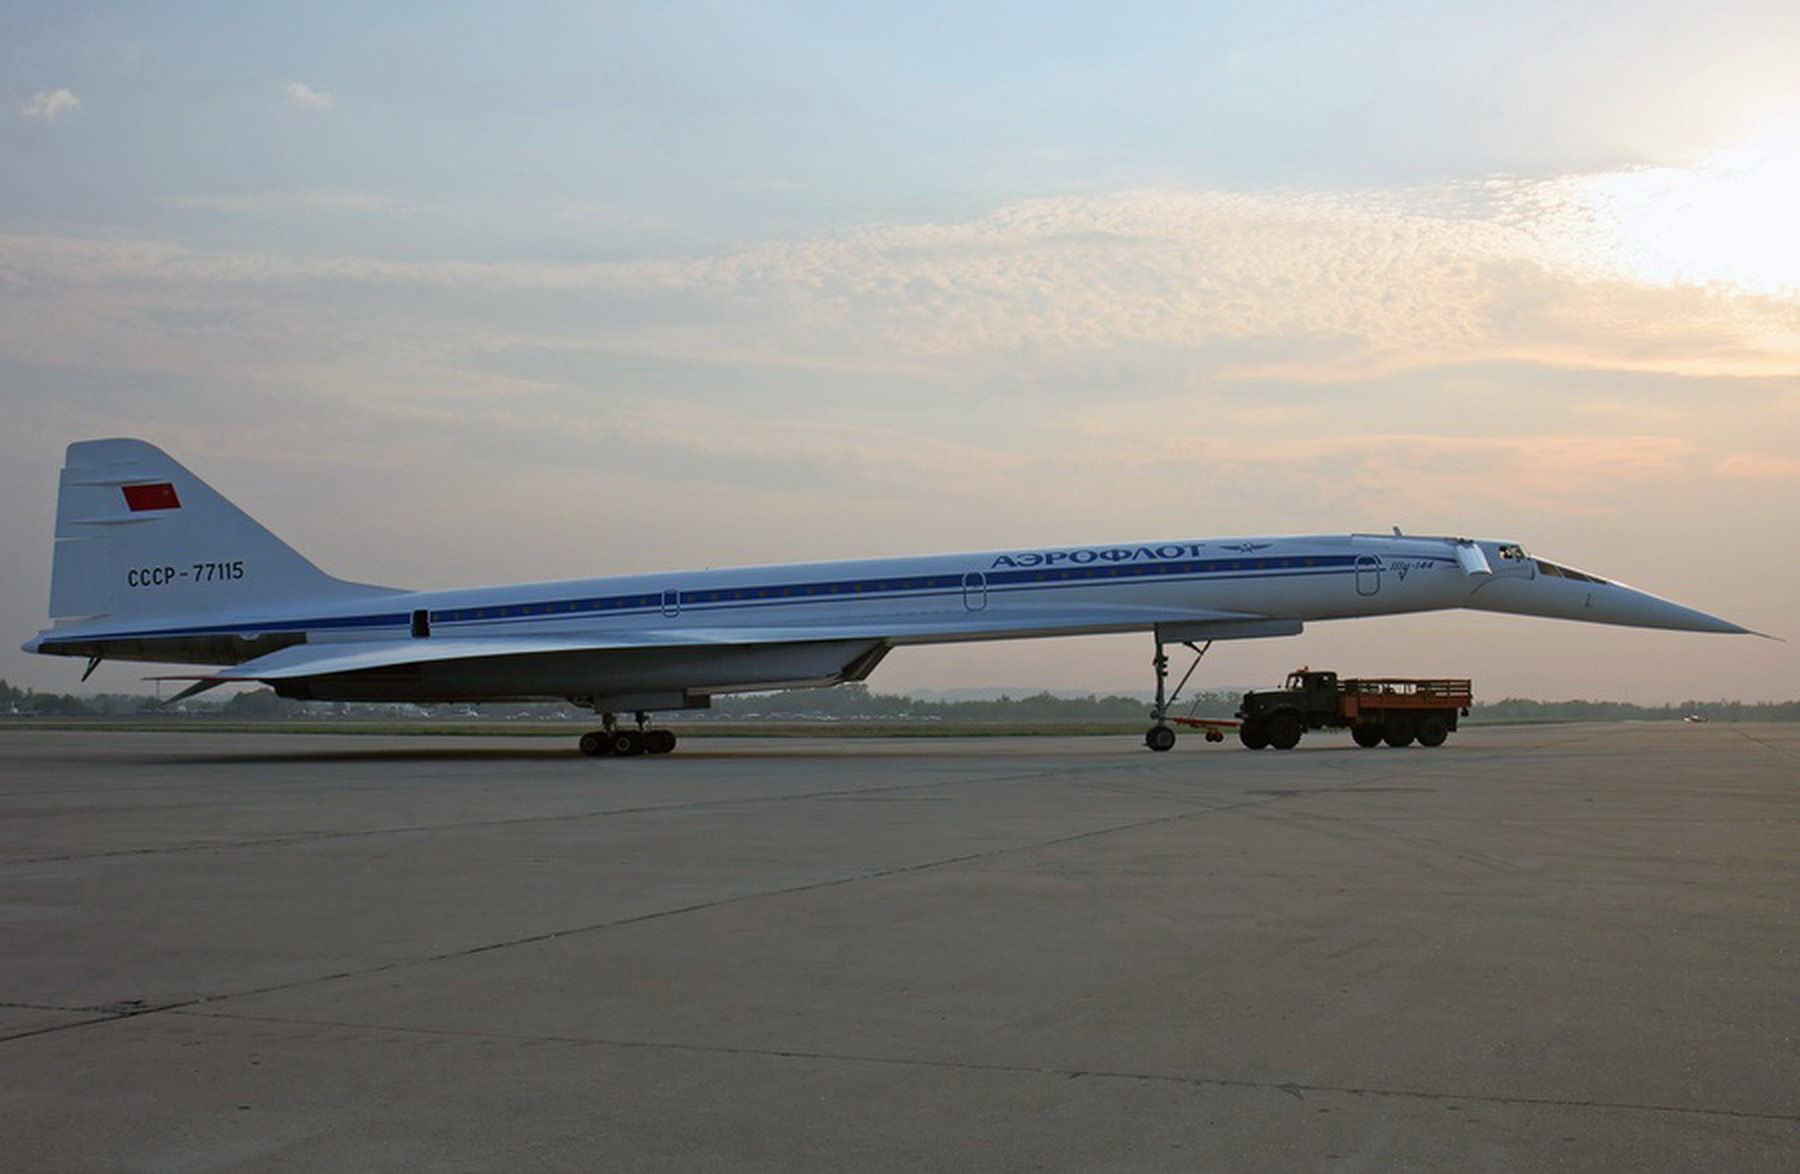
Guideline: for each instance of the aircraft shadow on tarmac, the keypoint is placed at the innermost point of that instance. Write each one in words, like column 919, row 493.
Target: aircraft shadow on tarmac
column 558, row 752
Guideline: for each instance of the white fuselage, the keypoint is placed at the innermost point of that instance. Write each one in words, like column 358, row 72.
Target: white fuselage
column 671, row 640
column 973, row 596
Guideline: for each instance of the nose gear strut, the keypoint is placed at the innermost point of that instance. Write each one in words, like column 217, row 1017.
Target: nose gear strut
column 1159, row 736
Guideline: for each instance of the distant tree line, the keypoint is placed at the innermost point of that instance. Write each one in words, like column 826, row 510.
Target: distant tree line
column 30, row 703
column 849, row 702
column 1519, row 709
column 856, row 702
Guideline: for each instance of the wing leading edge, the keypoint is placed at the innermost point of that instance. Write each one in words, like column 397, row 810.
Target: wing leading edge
column 336, row 658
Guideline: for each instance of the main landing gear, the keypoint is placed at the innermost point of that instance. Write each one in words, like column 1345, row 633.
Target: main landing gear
column 626, row 743
column 1160, row 737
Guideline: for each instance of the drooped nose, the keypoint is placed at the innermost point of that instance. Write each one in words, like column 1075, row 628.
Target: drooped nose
column 1592, row 601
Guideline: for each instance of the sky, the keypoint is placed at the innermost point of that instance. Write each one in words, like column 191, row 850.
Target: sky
column 449, row 294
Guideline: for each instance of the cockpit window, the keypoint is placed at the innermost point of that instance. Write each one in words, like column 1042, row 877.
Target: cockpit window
column 1556, row 572
column 1512, row 550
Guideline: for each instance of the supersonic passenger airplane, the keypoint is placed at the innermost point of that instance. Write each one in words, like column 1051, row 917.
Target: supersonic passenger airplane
column 152, row 564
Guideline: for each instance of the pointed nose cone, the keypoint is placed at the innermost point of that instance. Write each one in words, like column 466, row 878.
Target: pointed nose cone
column 1595, row 602
column 1616, row 604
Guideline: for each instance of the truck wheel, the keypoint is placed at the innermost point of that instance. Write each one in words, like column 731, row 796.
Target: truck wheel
column 1397, row 731
column 1433, row 730
column 1366, row 734
column 1285, row 729
column 1254, row 733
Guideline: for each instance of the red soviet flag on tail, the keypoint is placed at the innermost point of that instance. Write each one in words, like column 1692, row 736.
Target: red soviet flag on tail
column 160, row 496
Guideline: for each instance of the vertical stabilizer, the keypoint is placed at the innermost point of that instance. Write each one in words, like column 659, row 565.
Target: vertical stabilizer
column 139, row 536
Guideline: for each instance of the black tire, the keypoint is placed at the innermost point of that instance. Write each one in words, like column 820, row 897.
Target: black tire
column 594, row 744
column 1285, row 729
column 1366, row 734
column 1433, row 730
column 659, row 741
column 1159, row 738
column 1397, row 731
column 627, row 743
column 1254, row 733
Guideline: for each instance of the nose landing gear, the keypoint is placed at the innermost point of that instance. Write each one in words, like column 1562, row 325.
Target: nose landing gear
column 1159, row 737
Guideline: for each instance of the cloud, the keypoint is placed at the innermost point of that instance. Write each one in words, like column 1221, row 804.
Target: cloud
column 302, row 94
column 48, row 104
column 1761, row 466
column 1294, row 284
column 1153, row 293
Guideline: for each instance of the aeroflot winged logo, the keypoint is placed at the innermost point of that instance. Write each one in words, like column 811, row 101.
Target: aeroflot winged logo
column 1113, row 554
column 158, row 496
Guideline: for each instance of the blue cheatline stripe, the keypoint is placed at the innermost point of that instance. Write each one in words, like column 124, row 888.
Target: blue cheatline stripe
column 1014, row 581
column 827, row 591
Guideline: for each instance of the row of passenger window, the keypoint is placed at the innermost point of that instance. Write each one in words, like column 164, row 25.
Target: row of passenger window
column 859, row 587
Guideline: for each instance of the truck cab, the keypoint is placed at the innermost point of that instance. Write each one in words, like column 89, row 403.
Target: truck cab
column 1277, row 717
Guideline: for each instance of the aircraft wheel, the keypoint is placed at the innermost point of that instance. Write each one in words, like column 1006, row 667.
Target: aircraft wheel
column 627, row 743
column 594, row 744
column 1254, row 733
column 1284, row 730
column 1366, row 734
column 659, row 741
column 1432, row 731
column 1159, row 738
column 1397, row 732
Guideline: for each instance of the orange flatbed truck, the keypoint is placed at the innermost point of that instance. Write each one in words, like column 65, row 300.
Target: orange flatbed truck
column 1394, row 710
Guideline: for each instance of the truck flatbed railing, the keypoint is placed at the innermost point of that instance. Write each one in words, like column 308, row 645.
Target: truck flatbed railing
column 1441, row 690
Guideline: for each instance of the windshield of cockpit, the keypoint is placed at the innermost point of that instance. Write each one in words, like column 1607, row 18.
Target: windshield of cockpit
column 1556, row 572
column 1512, row 552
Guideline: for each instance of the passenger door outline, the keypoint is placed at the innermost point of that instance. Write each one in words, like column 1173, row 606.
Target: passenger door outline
column 975, row 595
column 1368, row 574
